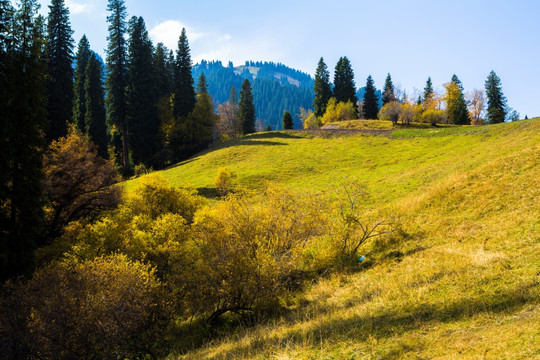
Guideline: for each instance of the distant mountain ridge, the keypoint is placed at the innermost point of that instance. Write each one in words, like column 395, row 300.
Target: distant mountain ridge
column 276, row 87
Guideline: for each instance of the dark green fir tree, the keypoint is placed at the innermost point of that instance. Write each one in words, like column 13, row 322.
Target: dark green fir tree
column 370, row 108
column 458, row 113
column 79, row 103
column 94, row 94
column 202, row 85
column 23, row 114
column 389, row 93
column 344, row 85
column 246, row 109
column 322, row 88
column 287, row 121
column 142, row 120
column 116, row 82
column 428, row 90
column 59, row 54
column 162, row 71
column 496, row 109
column 184, row 92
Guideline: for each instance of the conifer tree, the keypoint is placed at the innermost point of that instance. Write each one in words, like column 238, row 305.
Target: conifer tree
column 116, row 81
column 389, row 94
column 202, row 85
column 59, row 53
column 287, row 121
column 496, row 110
column 162, row 71
column 344, row 86
column 171, row 65
column 95, row 117
column 233, row 96
column 79, row 103
column 23, row 113
column 184, row 92
column 370, row 107
column 142, row 120
column 428, row 90
column 321, row 88
column 456, row 106
column 200, row 124
column 246, row 109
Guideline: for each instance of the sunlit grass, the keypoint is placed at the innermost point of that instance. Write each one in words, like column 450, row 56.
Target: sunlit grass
column 464, row 285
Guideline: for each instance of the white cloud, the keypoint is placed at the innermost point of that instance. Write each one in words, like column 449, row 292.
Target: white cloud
column 169, row 31
column 77, row 7
column 224, row 38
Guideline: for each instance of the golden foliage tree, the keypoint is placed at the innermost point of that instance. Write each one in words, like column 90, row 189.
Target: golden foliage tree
column 78, row 183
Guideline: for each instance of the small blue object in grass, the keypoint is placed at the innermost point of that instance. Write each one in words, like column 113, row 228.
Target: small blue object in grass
column 362, row 258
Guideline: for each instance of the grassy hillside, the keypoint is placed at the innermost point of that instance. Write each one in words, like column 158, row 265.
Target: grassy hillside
column 464, row 285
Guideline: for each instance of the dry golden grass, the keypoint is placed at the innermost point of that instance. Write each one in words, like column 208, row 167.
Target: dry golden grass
column 464, row 285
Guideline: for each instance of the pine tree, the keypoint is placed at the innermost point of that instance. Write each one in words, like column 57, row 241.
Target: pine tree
column 388, row 91
column 142, row 120
column 184, row 93
column 456, row 106
column 94, row 95
column 370, row 108
column 344, row 86
column 321, row 88
column 162, row 72
column 116, row 81
column 246, row 109
column 428, row 90
column 59, row 53
column 287, row 121
column 233, row 96
column 202, row 86
column 23, row 113
column 496, row 110
column 171, row 65
column 79, row 108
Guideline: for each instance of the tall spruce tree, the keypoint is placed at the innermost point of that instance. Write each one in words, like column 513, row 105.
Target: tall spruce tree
column 496, row 109
column 184, row 92
column 456, row 106
column 162, row 71
column 246, row 108
column 23, row 112
column 171, row 65
column 142, row 120
column 344, row 86
column 322, row 88
column 202, row 85
column 59, row 53
column 389, row 94
column 428, row 90
column 116, row 81
column 94, row 95
column 370, row 108
column 287, row 121
column 79, row 103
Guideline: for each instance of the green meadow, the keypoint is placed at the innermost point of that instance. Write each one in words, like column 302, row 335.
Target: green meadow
column 463, row 283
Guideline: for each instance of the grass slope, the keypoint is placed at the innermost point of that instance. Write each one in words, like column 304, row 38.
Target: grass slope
column 466, row 285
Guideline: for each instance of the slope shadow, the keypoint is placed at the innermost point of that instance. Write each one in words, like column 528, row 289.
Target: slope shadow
column 392, row 322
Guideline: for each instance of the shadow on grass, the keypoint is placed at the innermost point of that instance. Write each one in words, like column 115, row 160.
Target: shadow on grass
column 384, row 324
column 209, row 193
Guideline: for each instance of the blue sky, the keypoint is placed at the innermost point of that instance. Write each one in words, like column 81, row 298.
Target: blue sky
column 411, row 40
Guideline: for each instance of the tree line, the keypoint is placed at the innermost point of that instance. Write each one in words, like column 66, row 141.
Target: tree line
column 338, row 101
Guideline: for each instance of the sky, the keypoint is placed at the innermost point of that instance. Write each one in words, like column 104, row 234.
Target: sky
column 410, row 39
